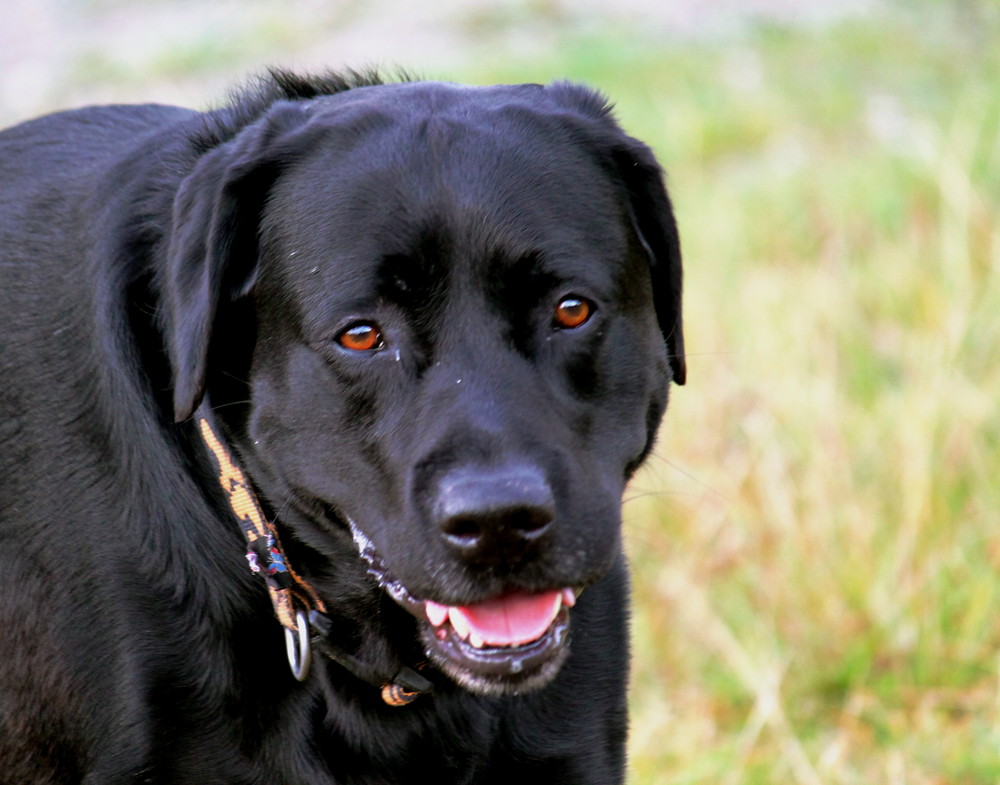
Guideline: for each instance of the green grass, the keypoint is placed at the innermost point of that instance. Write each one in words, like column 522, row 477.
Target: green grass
column 816, row 542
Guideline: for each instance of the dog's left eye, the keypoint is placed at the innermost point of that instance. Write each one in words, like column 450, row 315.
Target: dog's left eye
column 361, row 337
column 572, row 311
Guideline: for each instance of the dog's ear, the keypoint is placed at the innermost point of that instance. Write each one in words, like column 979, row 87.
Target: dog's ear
column 647, row 202
column 652, row 218
column 212, row 256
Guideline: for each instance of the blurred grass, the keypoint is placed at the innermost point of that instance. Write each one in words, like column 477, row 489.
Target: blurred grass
column 816, row 542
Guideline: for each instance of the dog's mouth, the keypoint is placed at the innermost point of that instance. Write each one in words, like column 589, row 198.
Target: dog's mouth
column 509, row 644
column 512, row 643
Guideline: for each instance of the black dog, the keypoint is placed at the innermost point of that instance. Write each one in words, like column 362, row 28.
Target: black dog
column 410, row 339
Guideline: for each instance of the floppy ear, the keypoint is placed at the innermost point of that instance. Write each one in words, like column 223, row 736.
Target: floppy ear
column 653, row 220
column 212, row 255
column 648, row 205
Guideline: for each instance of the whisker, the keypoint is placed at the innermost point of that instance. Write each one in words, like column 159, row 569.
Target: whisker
column 689, row 476
column 216, row 407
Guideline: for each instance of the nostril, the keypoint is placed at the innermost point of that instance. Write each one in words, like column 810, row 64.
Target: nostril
column 464, row 533
column 531, row 523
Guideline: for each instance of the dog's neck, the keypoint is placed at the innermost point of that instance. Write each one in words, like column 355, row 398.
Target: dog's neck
column 297, row 605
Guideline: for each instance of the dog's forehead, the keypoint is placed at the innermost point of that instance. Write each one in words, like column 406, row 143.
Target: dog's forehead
column 427, row 140
column 415, row 170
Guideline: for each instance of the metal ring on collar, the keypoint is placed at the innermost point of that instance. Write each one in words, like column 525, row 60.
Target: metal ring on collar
column 297, row 645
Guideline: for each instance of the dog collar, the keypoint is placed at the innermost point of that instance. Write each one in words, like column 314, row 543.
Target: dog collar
column 296, row 604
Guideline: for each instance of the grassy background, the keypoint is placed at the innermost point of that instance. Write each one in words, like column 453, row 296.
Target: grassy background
column 816, row 542
column 817, row 550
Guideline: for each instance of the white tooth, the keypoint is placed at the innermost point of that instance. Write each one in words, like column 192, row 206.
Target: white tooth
column 569, row 598
column 436, row 614
column 459, row 622
column 476, row 641
column 556, row 605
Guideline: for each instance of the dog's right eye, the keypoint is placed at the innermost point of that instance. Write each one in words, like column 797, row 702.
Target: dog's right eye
column 361, row 337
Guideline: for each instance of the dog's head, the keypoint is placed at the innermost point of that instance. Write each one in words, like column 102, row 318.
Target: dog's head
column 442, row 322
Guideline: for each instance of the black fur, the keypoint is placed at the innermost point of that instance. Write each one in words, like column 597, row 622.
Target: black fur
column 155, row 259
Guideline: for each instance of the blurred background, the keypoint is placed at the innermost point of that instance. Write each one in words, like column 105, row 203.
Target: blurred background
column 816, row 542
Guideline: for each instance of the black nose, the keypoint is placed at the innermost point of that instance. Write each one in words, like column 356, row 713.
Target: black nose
column 493, row 514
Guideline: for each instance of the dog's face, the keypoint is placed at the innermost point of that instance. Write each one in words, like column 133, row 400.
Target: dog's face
column 465, row 310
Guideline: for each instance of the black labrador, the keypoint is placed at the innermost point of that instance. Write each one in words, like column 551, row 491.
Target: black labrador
column 394, row 348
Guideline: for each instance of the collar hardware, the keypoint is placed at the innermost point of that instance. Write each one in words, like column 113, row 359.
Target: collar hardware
column 298, row 649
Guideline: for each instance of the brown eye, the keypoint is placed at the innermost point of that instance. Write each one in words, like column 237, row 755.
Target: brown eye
column 362, row 337
column 572, row 312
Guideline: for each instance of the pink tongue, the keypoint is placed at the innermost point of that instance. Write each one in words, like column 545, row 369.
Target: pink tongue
column 512, row 620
